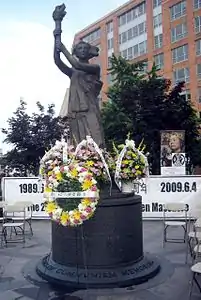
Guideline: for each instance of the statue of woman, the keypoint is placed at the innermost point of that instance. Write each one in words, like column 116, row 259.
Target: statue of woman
column 83, row 108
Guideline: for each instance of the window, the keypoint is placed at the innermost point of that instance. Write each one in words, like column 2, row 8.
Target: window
column 122, row 20
column 158, row 41
column 144, row 67
column 157, row 20
column 139, row 29
column 93, row 36
column 124, row 37
column 178, row 32
column 178, row 10
column 130, row 34
column 198, row 47
column 141, row 9
column 109, row 27
column 199, row 71
column 135, row 31
column 197, row 24
column 130, row 53
column 142, row 28
column 197, row 4
column 199, row 95
column 159, row 60
column 128, row 16
column 135, row 51
column 143, row 48
column 125, row 53
column 132, row 14
column 181, row 75
column 156, row 3
column 180, row 54
column 110, row 43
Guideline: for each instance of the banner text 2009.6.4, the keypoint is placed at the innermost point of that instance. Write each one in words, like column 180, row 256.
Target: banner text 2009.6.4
column 178, row 187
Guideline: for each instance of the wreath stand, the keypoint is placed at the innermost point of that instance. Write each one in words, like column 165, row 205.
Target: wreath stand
column 105, row 252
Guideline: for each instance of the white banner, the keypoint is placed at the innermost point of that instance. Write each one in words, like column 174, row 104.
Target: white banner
column 25, row 189
column 158, row 190
column 155, row 191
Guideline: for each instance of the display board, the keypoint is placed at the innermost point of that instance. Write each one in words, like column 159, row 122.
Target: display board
column 155, row 191
column 173, row 157
column 25, row 189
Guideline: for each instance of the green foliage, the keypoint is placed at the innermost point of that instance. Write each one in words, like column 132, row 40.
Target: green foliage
column 69, row 185
column 31, row 135
column 114, row 118
column 144, row 104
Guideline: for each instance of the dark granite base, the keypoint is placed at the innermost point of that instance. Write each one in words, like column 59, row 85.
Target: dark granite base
column 77, row 278
column 105, row 252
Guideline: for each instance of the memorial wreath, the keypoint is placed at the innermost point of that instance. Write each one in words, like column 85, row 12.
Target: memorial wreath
column 131, row 163
column 72, row 195
column 70, row 189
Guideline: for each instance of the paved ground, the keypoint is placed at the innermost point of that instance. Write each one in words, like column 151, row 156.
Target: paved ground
column 171, row 284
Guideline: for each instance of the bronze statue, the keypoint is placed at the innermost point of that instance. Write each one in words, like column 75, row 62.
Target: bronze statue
column 83, row 108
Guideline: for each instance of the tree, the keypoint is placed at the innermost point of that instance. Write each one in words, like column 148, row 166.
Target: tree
column 147, row 104
column 31, row 136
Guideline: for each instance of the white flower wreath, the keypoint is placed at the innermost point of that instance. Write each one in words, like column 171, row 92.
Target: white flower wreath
column 88, row 196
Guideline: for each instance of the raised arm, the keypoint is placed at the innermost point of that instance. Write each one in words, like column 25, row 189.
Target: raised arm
column 58, row 15
column 57, row 59
column 88, row 68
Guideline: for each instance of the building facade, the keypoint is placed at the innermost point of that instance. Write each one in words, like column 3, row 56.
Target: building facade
column 167, row 32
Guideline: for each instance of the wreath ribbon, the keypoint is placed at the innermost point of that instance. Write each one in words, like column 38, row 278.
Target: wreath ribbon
column 87, row 194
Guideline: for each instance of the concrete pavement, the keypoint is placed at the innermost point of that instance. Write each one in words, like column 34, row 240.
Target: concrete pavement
column 172, row 283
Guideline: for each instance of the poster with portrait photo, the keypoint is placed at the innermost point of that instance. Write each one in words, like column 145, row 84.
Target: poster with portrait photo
column 173, row 152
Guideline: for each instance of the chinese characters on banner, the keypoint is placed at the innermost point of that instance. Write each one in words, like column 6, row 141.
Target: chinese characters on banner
column 173, row 159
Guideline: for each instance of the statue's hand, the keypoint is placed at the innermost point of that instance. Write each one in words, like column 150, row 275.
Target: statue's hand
column 59, row 12
column 59, row 47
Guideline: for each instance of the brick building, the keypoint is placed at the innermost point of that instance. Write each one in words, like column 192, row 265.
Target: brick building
column 165, row 31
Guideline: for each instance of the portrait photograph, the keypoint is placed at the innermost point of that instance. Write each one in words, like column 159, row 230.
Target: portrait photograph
column 172, row 142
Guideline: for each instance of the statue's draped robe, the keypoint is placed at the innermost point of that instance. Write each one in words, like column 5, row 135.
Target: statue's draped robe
column 83, row 107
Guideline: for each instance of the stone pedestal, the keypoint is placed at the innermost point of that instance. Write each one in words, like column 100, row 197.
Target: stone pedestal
column 106, row 251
